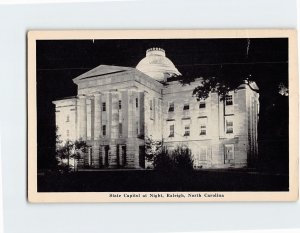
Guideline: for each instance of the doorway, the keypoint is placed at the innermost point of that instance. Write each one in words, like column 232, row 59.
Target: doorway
column 121, row 155
column 106, row 154
column 142, row 156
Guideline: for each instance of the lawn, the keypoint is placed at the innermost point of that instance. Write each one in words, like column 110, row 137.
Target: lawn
column 152, row 180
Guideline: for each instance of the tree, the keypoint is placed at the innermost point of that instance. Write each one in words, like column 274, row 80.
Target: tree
column 179, row 159
column 65, row 152
column 264, row 61
column 162, row 161
column 80, row 148
column 183, row 159
column 152, row 148
column 71, row 150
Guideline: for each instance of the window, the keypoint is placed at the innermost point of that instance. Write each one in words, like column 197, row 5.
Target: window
column 229, row 153
column 68, row 133
column 68, row 118
column 137, row 127
column 136, row 102
column 120, row 104
column 228, row 100
column 104, row 107
column 186, row 107
column 203, row 124
column 171, row 131
column 120, row 129
column 229, row 124
column 186, row 130
column 171, row 107
column 104, row 130
column 202, row 104
column 203, row 153
column 151, row 105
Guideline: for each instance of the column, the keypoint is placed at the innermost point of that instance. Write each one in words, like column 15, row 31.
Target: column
column 82, row 121
column 114, row 115
column 97, row 115
column 96, row 159
column 131, row 115
column 114, row 131
column 132, row 146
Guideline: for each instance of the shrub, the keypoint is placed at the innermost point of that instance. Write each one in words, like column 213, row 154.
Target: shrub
column 183, row 159
column 179, row 159
column 162, row 161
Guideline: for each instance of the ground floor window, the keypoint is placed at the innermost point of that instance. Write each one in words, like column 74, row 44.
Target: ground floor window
column 203, row 153
column 201, row 157
column 229, row 153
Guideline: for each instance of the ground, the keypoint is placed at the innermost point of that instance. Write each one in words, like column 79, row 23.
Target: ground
column 152, row 180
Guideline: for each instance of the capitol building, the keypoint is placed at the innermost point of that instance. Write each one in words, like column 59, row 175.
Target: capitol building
column 117, row 108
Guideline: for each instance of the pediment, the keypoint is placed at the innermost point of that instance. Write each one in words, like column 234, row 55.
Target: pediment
column 102, row 70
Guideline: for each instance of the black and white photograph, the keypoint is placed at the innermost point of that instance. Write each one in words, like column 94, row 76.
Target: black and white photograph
column 185, row 116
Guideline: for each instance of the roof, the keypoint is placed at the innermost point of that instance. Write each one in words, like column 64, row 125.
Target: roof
column 102, row 70
column 157, row 65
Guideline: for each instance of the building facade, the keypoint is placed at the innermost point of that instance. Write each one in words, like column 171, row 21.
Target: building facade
column 118, row 107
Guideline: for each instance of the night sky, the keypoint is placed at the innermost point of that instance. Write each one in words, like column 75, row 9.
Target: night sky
column 59, row 61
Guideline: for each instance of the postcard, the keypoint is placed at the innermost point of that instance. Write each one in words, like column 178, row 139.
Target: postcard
column 162, row 115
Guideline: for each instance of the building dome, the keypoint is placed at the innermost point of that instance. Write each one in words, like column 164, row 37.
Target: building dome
column 157, row 65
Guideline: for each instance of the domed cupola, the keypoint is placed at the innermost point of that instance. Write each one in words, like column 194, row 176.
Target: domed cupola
column 157, row 65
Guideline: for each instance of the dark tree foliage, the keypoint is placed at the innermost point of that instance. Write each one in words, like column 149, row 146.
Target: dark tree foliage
column 162, row 161
column 183, row 159
column 263, row 61
column 179, row 159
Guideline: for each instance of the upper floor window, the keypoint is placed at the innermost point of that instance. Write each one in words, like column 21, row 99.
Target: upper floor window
column 104, row 107
column 186, row 107
column 151, row 105
column 136, row 102
column 203, row 125
column 103, row 130
column 202, row 104
column 229, row 124
column 120, row 104
column 187, row 130
column 171, row 107
column 171, row 131
column 228, row 100
column 68, row 118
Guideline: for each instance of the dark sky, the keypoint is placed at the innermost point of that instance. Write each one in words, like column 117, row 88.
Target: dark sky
column 59, row 61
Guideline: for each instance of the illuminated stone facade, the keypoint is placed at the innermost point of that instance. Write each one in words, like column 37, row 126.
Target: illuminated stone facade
column 118, row 107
